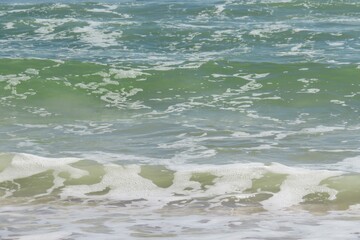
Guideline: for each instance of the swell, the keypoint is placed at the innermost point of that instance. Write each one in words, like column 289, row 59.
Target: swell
column 231, row 84
column 36, row 89
column 272, row 31
column 215, row 111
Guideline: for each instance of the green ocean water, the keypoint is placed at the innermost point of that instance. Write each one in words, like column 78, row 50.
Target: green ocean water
column 179, row 119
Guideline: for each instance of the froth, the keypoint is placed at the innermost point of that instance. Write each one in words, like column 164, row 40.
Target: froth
column 272, row 187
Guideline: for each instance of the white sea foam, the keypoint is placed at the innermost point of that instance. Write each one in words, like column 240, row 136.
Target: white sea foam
column 123, row 73
column 339, row 102
column 320, row 129
column 42, row 112
column 219, row 9
column 187, row 208
column 126, row 183
column 298, row 184
column 9, row 25
column 335, row 44
column 254, row 76
column 47, row 28
column 25, row 165
column 112, row 222
column 94, row 34
column 110, row 10
column 32, row 71
column 257, row 135
column 310, row 90
column 267, row 30
column 86, row 128
column 46, row 236
column 251, row 86
column 308, row 80
column 351, row 164
column 120, row 99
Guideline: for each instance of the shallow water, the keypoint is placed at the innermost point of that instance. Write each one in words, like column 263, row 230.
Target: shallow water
column 167, row 119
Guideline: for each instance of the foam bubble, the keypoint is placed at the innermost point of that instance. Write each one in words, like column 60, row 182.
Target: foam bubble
column 121, row 73
column 338, row 102
column 310, row 90
column 32, row 71
column 9, row 25
column 335, row 44
column 267, row 30
column 320, row 129
column 95, row 36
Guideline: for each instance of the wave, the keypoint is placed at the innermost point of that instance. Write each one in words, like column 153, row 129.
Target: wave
column 267, row 187
column 177, row 87
column 273, row 31
column 216, row 111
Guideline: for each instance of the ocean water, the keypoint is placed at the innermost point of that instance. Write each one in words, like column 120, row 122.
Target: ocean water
column 160, row 119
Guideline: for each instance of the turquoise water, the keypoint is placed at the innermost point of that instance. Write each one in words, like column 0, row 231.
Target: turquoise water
column 179, row 119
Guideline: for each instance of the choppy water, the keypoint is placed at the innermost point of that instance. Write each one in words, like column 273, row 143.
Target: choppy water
column 179, row 119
